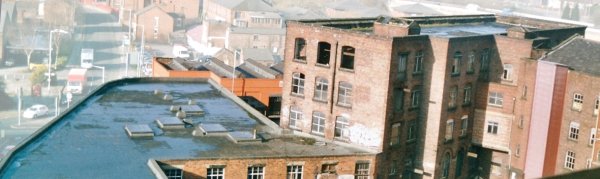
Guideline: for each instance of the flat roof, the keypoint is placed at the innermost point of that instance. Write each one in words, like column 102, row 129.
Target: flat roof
column 90, row 140
column 463, row 30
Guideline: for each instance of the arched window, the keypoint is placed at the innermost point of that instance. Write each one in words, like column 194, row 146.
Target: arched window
column 299, row 50
column 323, row 53
column 459, row 162
column 321, row 87
column 347, row 57
column 298, row 83
column 446, row 165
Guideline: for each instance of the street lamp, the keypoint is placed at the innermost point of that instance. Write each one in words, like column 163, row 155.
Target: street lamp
column 102, row 68
column 50, row 55
column 142, row 46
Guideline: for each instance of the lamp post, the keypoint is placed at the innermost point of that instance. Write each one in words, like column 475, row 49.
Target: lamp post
column 102, row 68
column 142, row 45
column 50, row 55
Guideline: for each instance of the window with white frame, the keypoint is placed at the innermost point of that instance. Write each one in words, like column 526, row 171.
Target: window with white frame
column 570, row 160
column 395, row 134
column 321, row 86
column 295, row 117
column 256, row 172
column 402, row 61
column 574, row 131
column 361, row 171
column 592, row 136
column 298, row 84
column 398, row 99
column 453, row 96
column 418, row 68
column 175, row 173
column 577, row 101
column 471, row 62
column 464, row 124
column 492, row 127
column 318, row 123
column 215, row 173
column 468, row 92
column 456, row 63
column 415, row 97
column 294, row 172
column 449, row 129
column 412, row 131
column 507, row 72
column 341, row 127
column 495, row 98
column 596, row 106
column 345, row 94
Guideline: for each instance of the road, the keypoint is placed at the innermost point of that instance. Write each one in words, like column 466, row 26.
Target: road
column 98, row 30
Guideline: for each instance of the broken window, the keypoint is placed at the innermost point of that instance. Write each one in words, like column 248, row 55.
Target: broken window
column 395, row 134
column 321, row 86
column 347, row 57
column 300, row 51
column 298, row 84
column 328, row 168
column 323, row 53
column 341, row 127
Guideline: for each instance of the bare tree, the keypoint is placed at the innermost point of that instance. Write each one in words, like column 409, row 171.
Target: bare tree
column 29, row 42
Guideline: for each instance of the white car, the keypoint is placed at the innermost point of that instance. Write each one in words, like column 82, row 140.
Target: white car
column 35, row 111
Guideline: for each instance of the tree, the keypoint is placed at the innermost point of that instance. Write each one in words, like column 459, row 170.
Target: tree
column 38, row 75
column 566, row 12
column 28, row 41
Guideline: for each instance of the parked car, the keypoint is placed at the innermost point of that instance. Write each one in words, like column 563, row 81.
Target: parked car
column 35, row 111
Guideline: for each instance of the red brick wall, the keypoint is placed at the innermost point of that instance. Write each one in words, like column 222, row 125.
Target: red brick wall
column 275, row 167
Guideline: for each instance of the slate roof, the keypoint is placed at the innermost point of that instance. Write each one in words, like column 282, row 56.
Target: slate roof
column 579, row 54
column 254, row 69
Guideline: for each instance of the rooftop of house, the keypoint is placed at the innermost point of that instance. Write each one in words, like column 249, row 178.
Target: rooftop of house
column 443, row 26
column 90, row 140
column 246, row 5
column 577, row 53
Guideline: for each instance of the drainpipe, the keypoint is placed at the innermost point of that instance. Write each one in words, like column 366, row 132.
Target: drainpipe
column 333, row 74
column 595, row 136
column 510, row 136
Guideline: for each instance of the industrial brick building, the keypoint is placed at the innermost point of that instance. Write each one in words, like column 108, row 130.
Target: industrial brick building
column 438, row 97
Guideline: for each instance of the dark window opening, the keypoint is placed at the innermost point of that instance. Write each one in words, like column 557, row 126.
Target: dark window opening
column 324, row 52
column 347, row 57
column 300, row 51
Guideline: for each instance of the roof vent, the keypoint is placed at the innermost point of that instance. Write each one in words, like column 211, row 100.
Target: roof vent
column 191, row 110
column 210, row 130
column 139, row 130
column 170, row 123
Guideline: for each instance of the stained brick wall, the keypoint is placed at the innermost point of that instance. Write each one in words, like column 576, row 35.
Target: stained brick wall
column 275, row 167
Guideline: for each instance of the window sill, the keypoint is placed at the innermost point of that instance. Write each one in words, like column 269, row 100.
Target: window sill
column 300, row 60
column 347, row 70
column 575, row 109
column 319, row 100
column 344, row 105
column 455, row 74
column 572, row 140
column 470, row 72
column 410, row 141
column 495, row 105
column 317, row 134
column 466, row 104
column 322, row 65
column 297, row 95
column 462, row 137
column 417, row 73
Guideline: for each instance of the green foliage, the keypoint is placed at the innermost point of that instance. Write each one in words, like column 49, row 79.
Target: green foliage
column 61, row 62
column 37, row 76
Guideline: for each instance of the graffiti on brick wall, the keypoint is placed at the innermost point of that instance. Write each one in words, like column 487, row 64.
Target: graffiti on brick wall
column 363, row 135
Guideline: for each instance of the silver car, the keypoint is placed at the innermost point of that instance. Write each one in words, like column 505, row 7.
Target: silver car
column 35, row 111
